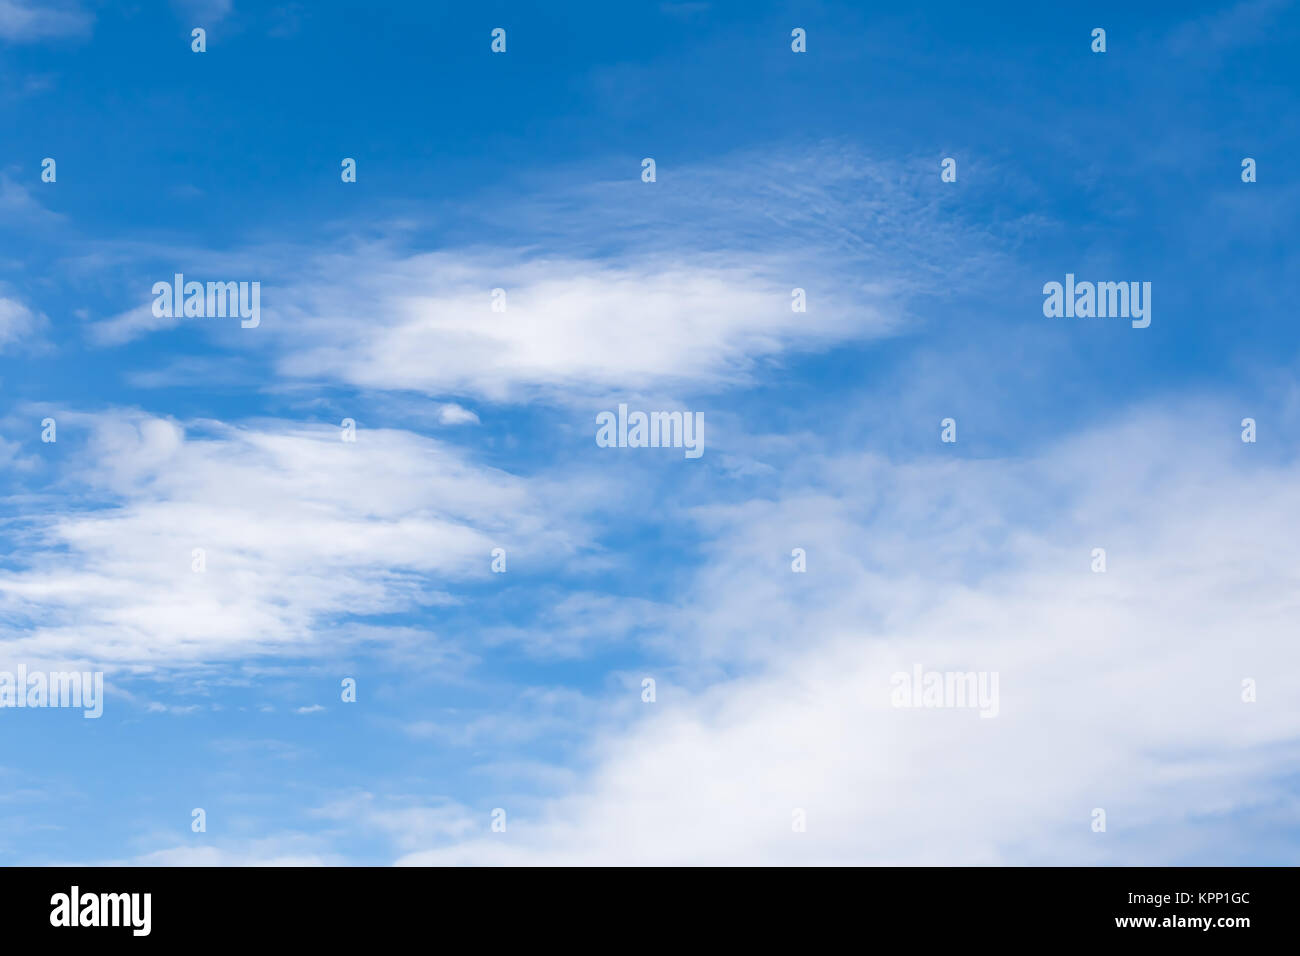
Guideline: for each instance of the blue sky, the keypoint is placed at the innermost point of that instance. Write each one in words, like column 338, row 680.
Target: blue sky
column 522, row 690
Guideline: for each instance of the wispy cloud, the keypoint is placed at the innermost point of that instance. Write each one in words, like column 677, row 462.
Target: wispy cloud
column 22, row 21
column 1120, row 690
column 20, row 327
column 297, row 529
column 696, row 292
column 1238, row 25
column 204, row 12
column 129, row 325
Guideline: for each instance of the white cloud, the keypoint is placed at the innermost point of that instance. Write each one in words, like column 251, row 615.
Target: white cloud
column 128, row 325
column 279, row 851
column 19, row 325
column 1119, row 690
column 453, row 414
column 407, row 824
column 20, row 209
column 572, row 327
column 693, row 290
column 300, row 530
